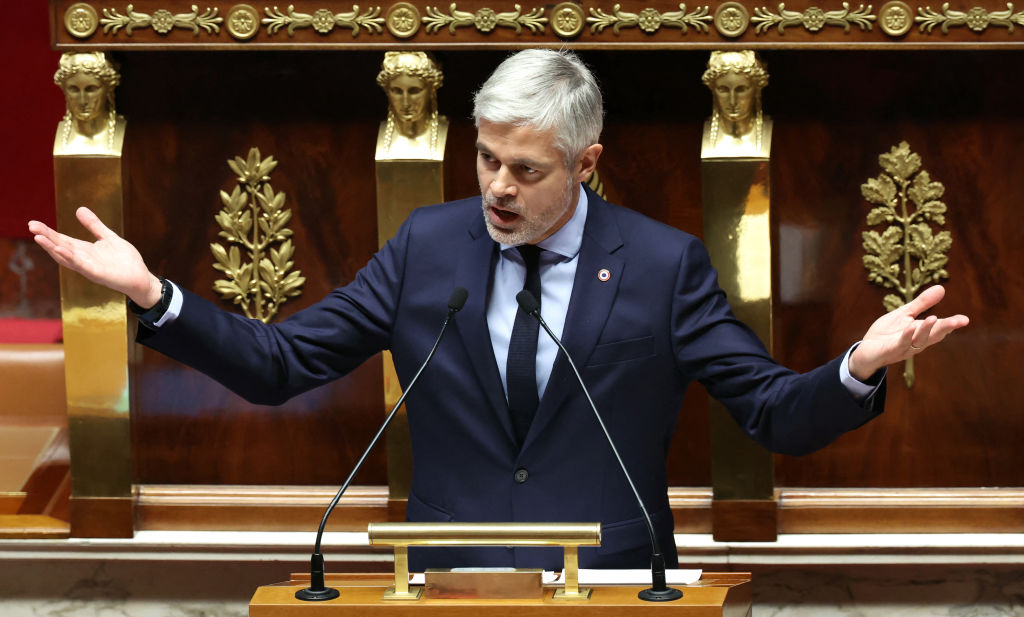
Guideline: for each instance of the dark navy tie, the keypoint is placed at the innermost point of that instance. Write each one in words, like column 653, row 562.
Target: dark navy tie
column 521, row 368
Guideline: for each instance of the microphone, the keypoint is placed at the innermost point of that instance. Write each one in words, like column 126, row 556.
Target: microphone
column 317, row 591
column 659, row 591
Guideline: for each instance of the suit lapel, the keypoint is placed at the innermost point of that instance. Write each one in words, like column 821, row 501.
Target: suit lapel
column 473, row 272
column 589, row 307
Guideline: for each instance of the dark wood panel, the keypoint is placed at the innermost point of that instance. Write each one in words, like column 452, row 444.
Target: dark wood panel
column 834, row 114
column 317, row 113
column 189, row 113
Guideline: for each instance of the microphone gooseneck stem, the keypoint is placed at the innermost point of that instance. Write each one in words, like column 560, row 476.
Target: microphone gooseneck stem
column 380, row 432
column 659, row 590
column 317, row 590
column 615, row 451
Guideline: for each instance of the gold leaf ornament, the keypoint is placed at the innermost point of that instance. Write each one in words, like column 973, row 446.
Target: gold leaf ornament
column 909, row 253
column 162, row 21
column 485, row 19
column 254, row 218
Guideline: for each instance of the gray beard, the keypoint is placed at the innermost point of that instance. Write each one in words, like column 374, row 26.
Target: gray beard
column 531, row 230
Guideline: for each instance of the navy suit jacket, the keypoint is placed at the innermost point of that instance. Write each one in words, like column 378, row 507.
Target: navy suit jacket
column 659, row 322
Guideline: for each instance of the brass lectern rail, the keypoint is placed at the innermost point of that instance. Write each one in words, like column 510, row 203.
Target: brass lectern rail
column 570, row 536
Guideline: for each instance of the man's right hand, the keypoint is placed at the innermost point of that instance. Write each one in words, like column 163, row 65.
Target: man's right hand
column 110, row 261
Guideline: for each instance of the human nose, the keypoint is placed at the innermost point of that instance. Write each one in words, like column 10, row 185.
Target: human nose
column 503, row 184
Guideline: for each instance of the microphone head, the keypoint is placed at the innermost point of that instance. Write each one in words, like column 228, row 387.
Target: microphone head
column 458, row 299
column 527, row 302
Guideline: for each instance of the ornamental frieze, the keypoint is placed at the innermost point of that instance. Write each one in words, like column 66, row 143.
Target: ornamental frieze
column 159, row 23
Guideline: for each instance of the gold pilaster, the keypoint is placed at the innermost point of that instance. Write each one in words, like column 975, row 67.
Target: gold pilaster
column 96, row 358
column 410, row 173
column 401, row 187
column 737, row 209
column 736, row 197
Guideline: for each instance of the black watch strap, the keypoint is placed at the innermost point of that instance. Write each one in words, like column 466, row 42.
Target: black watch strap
column 149, row 317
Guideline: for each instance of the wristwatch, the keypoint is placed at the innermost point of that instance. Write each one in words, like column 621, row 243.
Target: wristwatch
column 149, row 317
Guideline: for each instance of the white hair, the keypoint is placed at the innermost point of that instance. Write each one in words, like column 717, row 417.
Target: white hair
column 545, row 89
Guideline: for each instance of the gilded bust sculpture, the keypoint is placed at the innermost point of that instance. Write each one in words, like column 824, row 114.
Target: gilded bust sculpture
column 91, row 124
column 737, row 127
column 413, row 129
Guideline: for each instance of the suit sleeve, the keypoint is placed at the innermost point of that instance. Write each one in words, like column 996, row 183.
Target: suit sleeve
column 268, row 364
column 786, row 412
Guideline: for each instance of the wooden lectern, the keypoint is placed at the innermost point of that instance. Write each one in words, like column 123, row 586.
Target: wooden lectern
column 719, row 594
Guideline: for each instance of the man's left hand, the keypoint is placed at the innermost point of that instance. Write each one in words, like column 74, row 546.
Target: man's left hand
column 900, row 334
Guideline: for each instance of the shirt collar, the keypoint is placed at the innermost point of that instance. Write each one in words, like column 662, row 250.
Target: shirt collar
column 568, row 239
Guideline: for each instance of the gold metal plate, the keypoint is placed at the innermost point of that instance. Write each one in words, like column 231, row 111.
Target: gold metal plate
column 402, row 20
column 567, row 20
column 508, row 583
column 81, row 20
column 243, row 22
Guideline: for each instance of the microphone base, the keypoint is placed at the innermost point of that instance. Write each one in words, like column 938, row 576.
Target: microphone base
column 317, row 595
column 667, row 594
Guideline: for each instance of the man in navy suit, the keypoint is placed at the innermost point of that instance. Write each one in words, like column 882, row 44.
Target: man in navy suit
column 500, row 429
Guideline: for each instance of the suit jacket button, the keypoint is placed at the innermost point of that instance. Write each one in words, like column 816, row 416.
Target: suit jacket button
column 521, row 475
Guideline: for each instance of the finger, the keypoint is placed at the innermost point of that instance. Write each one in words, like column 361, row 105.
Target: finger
column 93, row 224
column 907, row 336
column 59, row 254
column 946, row 326
column 923, row 333
column 44, row 230
column 926, row 300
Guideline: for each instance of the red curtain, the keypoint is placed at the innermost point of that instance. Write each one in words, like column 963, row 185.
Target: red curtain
column 30, row 108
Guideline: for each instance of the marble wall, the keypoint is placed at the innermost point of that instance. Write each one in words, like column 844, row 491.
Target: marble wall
column 123, row 588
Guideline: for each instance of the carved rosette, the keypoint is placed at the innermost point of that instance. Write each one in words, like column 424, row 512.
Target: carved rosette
column 731, row 19
column 895, row 18
column 907, row 254
column 567, row 20
column 242, row 22
column 402, row 20
column 81, row 20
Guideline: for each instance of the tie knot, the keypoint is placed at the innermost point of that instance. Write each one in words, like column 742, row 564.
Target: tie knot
column 531, row 255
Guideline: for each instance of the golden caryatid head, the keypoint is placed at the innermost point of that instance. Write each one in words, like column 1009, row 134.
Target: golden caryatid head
column 736, row 79
column 410, row 79
column 88, row 81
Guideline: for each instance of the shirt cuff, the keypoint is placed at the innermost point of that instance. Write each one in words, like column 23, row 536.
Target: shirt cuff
column 861, row 391
column 173, row 309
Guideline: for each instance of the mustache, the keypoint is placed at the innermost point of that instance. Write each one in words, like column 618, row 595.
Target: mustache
column 505, row 203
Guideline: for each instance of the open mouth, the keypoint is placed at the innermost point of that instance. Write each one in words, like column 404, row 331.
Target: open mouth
column 501, row 216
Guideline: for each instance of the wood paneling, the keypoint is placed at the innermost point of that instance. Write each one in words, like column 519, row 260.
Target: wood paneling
column 834, row 112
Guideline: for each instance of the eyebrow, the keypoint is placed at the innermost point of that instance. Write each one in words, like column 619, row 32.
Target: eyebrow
column 526, row 162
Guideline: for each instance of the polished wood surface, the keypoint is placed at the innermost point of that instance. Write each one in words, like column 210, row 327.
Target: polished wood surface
column 714, row 594
column 959, row 424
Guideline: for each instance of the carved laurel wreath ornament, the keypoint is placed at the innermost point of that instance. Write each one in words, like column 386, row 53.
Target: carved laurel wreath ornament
column 908, row 254
column 254, row 218
column 403, row 19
